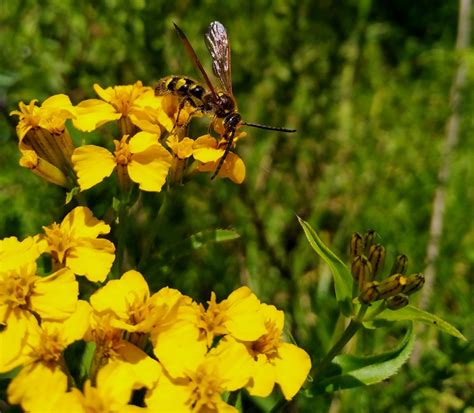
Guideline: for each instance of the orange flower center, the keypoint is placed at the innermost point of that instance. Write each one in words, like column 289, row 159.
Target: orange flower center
column 59, row 242
column 122, row 152
column 15, row 289
column 211, row 321
column 269, row 342
column 50, row 348
column 205, row 390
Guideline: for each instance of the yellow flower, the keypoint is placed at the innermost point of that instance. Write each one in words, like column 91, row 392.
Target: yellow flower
column 276, row 361
column 153, row 119
column 118, row 103
column 74, row 244
column 140, row 158
column 43, row 131
column 24, row 295
column 134, row 310
column 112, row 347
column 183, row 148
column 226, row 368
column 42, row 357
column 209, row 151
column 111, row 393
column 238, row 315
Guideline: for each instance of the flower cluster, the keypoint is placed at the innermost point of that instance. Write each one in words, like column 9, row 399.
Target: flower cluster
column 151, row 148
column 185, row 355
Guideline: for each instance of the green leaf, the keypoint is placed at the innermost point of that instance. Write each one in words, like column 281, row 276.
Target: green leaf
column 200, row 239
column 415, row 314
column 71, row 194
column 341, row 274
column 355, row 371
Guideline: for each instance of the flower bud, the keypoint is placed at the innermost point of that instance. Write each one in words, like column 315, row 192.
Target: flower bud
column 357, row 245
column 369, row 238
column 361, row 271
column 370, row 292
column 392, row 286
column 413, row 283
column 400, row 265
column 397, row 301
column 376, row 259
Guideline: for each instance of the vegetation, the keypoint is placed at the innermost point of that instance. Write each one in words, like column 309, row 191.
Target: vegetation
column 367, row 86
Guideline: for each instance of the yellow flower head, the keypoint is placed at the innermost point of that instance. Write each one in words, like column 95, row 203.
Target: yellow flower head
column 209, row 151
column 239, row 315
column 118, row 103
column 141, row 159
column 276, row 361
column 42, row 358
column 134, row 310
column 43, row 131
column 111, row 393
column 200, row 389
column 75, row 244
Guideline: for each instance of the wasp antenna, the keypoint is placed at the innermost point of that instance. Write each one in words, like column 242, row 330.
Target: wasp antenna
column 277, row 128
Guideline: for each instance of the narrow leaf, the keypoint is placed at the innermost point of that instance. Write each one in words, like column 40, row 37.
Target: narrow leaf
column 415, row 314
column 341, row 274
column 202, row 238
column 355, row 371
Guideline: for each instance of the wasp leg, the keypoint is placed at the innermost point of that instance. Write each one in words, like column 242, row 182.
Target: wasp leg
column 230, row 139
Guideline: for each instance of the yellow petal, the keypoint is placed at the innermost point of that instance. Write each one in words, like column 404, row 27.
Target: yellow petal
column 116, row 295
column 115, row 383
column 142, row 141
column 147, row 370
column 80, row 222
column 244, row 318
column 180, row 338
column 263, row 378
column 169, row 396
column 292, row 367
column 73, row 328
column 13, row 339
column 92, row 258
column 94, row 113
column 233, row 363
column 150, row 168
column 14, row 253
column 232, row 168
column 92, row 164
column 37, row 387
column 207, row 155
column 58, row 101
column 271, row 313
column 55, row 297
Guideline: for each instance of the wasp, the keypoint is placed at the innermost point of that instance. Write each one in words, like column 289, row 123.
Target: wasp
column 219, row 102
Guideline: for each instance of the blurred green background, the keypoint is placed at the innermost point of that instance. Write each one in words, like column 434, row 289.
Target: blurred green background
column 365, row 83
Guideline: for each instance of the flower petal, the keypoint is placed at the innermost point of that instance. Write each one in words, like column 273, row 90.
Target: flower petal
column 37, row 387
column 142, row 141
column 92, row 258
column 150, row 168
column 92, row 164
column 146, row 369
column 263, row 378
column 80, row 222
column 55, row 297
column 169, row 396
column 94, row 113
column 292, row 367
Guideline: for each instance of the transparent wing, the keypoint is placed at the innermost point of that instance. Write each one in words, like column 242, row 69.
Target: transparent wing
column 219, row 47
column 194, row 58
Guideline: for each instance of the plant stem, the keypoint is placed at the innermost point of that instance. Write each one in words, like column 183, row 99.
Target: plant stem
column 348, row 333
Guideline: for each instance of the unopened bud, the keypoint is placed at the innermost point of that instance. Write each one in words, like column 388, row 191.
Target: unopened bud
column 369, row 239
column 413, row 283
column 357, row 245
column 376, row 259
column 361, row 271
column 370, row 293
column 400, row 265
column 396, row 302
column 392, row 286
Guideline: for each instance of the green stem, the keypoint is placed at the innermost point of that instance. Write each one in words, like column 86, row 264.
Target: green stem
column 233, row 398
column 348, row 333
column 122, row 234
column 279, row 406
column 155, row 225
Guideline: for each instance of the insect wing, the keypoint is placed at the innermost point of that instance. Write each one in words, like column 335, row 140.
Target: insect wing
column 219, row 47
column 194, row 57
